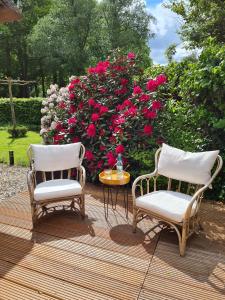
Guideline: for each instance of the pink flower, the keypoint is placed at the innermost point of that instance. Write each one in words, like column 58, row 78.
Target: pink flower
column 148, row 130
column 95, row 117
column 161, row 79
column 156, row 105
column 72, row 120
column 103, row 109
column 91, row 102
column 91, row 130
column 131, row 55
column 151, row 85
column 89, row 155
column 137, row 90
column 144, row 98
column 120, row 120
column 103, row 90
column 120, row 149
column 132, row 111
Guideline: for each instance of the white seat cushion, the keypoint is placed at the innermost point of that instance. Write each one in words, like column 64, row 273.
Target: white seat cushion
column 172, row 205
column 56, row 189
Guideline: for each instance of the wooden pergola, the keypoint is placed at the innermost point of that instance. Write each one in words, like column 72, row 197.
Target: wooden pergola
column 9, row 12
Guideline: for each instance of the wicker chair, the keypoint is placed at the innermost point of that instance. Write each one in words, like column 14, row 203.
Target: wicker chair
column 50, row 178
column 178, row 209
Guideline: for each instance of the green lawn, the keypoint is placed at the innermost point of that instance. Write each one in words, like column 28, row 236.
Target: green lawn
column 19, row 146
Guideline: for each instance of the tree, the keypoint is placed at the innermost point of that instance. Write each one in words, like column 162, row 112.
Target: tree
column 202, row 19
column 170, row 52
column 14, row 55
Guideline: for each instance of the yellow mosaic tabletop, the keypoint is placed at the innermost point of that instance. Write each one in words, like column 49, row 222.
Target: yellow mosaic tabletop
column 114, row 179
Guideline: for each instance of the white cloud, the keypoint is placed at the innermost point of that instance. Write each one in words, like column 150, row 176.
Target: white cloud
column 168, row 23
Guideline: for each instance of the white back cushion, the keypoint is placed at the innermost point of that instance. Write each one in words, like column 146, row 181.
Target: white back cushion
column 56, row 157
column 186, row 166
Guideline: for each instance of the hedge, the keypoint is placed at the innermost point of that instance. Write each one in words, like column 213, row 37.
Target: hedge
column 28, row 111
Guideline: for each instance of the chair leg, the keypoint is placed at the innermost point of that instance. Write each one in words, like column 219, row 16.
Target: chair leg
column 183, row 241
column 33, row 214
column 134, row 219
column 82, row 206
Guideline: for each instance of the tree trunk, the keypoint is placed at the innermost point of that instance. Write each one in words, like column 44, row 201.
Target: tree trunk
column 11, row 103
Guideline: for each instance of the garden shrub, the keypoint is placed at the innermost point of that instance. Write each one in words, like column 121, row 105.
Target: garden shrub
column 18, row 131
column 107, row 110
column 28, row 111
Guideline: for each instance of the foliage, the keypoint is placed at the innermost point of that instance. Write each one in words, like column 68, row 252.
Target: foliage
column 170, row 52
column 107, row 110
column 27, row 111
column 18, row 132
column 19, row 146
column 202, row 19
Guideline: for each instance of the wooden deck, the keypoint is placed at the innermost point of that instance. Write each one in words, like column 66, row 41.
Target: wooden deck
column 68, row 258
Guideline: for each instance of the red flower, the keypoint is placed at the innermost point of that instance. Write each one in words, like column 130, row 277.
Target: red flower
column 71, row 130
column 75, row 81
column 57, row 138
column 137, row 90
column 151, row 85
column 71, row 87
column 131, row 55
column 100, row 164
column 103, row 109
column 95, row 117
column 124, row 81
column 120, row 107
column 144, row 98
column 149, row 114
column 156, row 105
column 91, row 102
column 61, row 105
column 148, row 130
column 81, row 105
column 103, row 90
column 72, row 96
column 75, row 139
column 72, row 120
column 101, row 132
column 91, row 130
column 58, row 126
column 72, row 109
column 91, row 70
column 161, row 79
column 111, row 159
column 120, row 149
column 127, row 102
column 119, row 120
column 132, row 111
column 102, row 148
column 89, row 155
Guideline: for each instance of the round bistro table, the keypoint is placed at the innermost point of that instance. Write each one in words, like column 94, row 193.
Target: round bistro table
column 117, row 183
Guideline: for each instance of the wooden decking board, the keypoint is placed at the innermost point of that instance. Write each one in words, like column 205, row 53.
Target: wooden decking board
column 12, row 291
column 127, row 275
column 46, row 284
column 78, row 248
column 66, row 258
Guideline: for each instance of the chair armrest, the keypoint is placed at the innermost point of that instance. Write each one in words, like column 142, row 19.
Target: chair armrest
column 82, row 176
column 140, row 178
column 31, row 182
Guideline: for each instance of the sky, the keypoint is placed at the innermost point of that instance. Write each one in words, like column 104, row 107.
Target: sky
column 168, row 23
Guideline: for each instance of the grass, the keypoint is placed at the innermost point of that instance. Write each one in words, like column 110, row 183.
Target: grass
column 19, row 146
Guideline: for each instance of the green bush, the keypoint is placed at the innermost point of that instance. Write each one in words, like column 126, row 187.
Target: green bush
column 19, row 131
column 28, row 111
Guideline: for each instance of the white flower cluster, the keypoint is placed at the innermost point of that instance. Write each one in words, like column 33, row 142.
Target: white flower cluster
column 55, row 96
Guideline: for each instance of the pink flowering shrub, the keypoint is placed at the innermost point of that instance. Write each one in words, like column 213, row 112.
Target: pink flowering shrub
column 107, row 110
